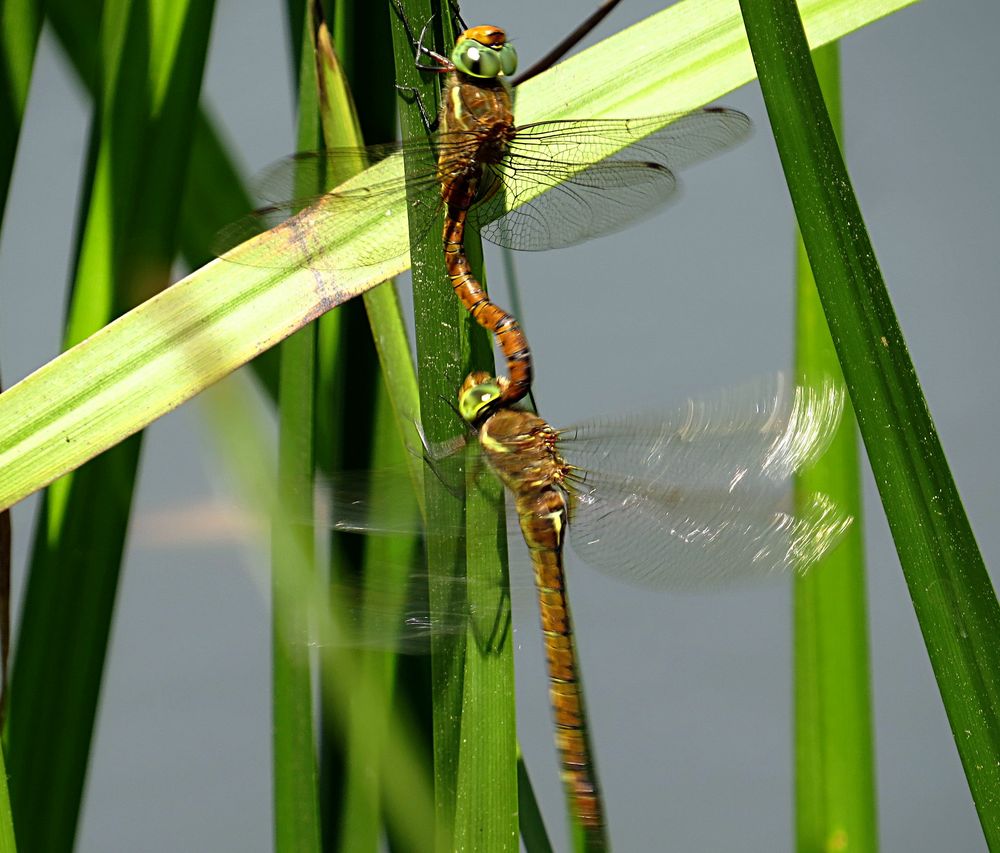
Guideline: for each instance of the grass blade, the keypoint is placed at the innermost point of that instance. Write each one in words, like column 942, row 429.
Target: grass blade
column 382, row 410
column 139, row 154
column 834, row 763
column 473, row 714
column 951, row 592
column 442, row 355
column 296, row 773
column 249, row 456
column 212, row 194
column 20, row 26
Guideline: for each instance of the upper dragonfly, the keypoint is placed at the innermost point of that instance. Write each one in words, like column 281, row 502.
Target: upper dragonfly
column 534, row 186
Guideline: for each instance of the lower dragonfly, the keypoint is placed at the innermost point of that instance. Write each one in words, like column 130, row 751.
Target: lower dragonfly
column 687, row 499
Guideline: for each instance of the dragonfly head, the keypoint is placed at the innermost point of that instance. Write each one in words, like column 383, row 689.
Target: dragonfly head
column 477, row 396
column 483, row 52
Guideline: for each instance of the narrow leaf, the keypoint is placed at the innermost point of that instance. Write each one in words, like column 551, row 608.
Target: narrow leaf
column 834, row 753
column 951, row 592
column 152, row 57
column 296, row 774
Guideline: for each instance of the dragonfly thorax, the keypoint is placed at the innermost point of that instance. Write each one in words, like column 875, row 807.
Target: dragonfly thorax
column 521, row 448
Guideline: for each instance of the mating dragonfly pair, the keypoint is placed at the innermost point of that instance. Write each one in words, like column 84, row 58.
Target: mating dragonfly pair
column 681, row 499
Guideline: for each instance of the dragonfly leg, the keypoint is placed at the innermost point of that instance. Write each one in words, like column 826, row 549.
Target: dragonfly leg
column 443, row 63
column 493, row 640
column 429, row 125
column 435, row 454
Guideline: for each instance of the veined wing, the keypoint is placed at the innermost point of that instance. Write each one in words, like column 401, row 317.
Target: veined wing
column 702, row 496
column 362, row 222
column 568, row 180
column 366, row 210
column 564, row 182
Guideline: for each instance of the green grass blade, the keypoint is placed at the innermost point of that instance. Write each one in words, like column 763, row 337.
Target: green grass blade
column 248, row 455
column 474, row 739
column 529, row 816
column 355, row 428
column 487, row 798
column 296, row 773
column 951, row 592
column 440, row 360
column 139, row 148
column 834, row 754
column 296, row 776
column 20, row 26
column 220, row 316
column 7, row 841
column 212, row 194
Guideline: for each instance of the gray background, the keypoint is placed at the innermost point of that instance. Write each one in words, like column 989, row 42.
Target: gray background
column 690, row 696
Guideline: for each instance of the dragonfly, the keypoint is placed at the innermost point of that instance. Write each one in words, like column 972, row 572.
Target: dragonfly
column 535, row 186
column 690, row 498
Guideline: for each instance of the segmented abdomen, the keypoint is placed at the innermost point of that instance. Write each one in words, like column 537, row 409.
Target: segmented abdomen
column 484, row 311
column 543, row 522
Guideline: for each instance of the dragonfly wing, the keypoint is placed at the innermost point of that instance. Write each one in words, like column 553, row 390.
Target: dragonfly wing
column 363, row 222
column 673, row 140
column 348, row 502
column 382, row 610
column 597, row 175
column 601, row 199
column 702, row 496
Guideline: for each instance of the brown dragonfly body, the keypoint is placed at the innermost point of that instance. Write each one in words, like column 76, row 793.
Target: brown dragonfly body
column 521, row 448
column 478, row 108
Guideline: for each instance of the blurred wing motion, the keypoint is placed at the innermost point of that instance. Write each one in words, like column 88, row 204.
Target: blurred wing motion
column 690, row 499
column 703, row 496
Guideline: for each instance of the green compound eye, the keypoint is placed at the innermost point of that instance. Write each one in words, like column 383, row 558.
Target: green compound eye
column 508, row 60
column 474, row 402
column 477, row 60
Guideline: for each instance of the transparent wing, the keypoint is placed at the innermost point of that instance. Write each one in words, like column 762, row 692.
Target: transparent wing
column 369, row 215
column 584, row 195
column 702, row 496
column 555, row 175
column 378, row 612
column 602, row 199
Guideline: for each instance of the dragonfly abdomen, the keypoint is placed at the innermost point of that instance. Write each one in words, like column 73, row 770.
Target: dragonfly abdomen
column 543, row 518
column 484, row 311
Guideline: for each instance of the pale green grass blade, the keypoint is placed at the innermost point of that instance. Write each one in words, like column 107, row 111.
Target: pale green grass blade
column 152, row 56
column 834, row 753
column 222, row 315
column 952, row 595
